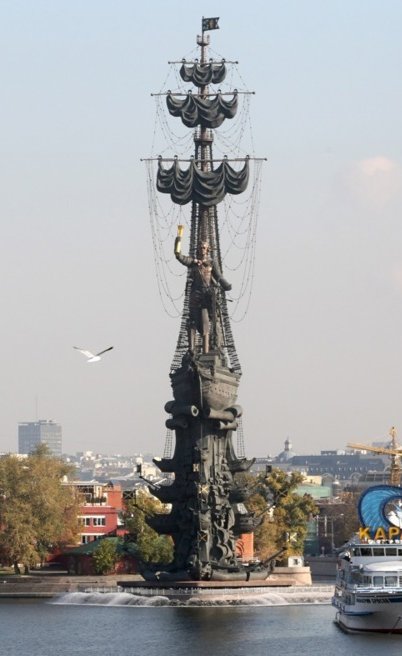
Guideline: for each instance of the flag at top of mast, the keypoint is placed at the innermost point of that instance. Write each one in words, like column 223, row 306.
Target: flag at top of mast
column 210, row 24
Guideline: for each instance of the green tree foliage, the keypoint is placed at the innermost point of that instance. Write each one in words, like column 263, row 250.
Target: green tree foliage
column 105, row 556
column 37, row 512
column 151, row 547
column 283, row 512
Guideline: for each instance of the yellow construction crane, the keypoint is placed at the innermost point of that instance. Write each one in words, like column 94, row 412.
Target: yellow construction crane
column 395, row 453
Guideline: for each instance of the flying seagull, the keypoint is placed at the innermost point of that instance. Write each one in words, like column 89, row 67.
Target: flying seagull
column 92, row 357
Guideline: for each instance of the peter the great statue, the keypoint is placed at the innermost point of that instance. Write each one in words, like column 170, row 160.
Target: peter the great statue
column 207, row 513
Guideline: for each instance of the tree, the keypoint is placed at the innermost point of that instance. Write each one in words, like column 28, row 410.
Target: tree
column 17, row 536
column 37, row 512
column 105, row 556
column 338, row 521
column 284, row 513
column 150, row 546
column 349, row 513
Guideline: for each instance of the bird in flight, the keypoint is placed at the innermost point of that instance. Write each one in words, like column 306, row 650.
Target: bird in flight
column 92, row 357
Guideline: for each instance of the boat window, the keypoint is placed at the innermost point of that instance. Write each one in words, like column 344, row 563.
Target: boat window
column 390, row 551
column 378, row 581
column 355, row 576
column 365, row 551
column 367, row 580
column 378, row 551
column 356, row 551
column 391, row 581
column 400, row 552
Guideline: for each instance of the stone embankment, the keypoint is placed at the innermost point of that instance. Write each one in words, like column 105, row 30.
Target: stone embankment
column 36, row 586
column 323, row 568
column 50, row 586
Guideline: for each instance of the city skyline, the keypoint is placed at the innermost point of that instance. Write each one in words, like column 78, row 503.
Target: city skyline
column 287, row 446
column 322, row 330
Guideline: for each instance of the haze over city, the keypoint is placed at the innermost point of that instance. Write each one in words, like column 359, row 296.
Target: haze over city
column 320, row 345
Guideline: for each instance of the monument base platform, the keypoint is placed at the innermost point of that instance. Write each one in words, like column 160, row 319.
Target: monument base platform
column 276, row 589
column 281, row 577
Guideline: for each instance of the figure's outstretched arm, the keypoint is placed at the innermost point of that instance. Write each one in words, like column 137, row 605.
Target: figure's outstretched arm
column 183, row 259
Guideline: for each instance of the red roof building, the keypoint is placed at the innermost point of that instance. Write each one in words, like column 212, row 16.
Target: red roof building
column 100, row 511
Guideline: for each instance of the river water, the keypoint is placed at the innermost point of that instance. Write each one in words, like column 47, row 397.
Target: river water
column 43, row 628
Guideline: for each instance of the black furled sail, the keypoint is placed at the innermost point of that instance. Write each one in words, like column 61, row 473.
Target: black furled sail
column 207, row 112
column 203, row 73
column 207, row 188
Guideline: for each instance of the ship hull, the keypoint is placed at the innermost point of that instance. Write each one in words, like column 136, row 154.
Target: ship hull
column 371, row 618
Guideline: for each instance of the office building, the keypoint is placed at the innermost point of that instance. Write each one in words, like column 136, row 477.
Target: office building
column 33, row 433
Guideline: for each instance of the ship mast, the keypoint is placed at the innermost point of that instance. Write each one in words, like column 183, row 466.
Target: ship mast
column 203, row 138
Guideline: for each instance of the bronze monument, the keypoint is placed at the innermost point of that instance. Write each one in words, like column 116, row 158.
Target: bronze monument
column 207, row 511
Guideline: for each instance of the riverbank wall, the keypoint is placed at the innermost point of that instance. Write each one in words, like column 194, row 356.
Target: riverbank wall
column 50, row 585
column 47, row 586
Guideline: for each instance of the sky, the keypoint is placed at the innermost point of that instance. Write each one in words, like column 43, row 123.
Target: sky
column 321, row 342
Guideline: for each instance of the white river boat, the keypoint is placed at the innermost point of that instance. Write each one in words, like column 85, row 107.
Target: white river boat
column 368, row 590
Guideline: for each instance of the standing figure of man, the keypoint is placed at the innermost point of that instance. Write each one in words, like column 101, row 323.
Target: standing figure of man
column 205, row 276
